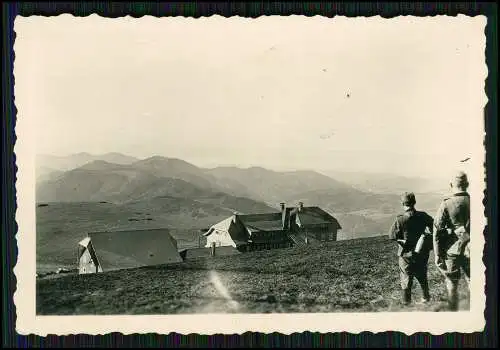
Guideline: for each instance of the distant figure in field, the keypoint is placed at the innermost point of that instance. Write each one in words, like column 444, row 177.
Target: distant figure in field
column 451, row 237
column 414, row 245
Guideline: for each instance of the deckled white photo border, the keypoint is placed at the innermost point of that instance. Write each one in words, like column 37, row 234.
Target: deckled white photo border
column 25, row 270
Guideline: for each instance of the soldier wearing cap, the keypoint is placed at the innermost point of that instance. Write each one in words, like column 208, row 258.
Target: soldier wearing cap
column 451, row 237
column 414, row 245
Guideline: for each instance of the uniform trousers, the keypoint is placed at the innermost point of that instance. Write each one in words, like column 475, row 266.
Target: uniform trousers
column 413, row 267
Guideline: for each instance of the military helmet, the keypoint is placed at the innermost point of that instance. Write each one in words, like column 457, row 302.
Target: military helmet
column 408, row 199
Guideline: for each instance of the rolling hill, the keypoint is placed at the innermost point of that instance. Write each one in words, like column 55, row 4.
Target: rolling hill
column 99, row 180
column 44, row 174
column 355, row 192
column 389, row 183
column 348, row 200
column 166, row 192
column 102, row 180
column 142, row 181
column 177, row 169
column 72, row 161
column 363, row 276
column 271, row 186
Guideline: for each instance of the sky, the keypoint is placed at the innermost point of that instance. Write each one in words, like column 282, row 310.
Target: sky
column 402, row 96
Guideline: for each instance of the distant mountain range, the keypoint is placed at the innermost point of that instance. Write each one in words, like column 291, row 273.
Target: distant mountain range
column 125, row 180
column 73, row 161
column 389, row 183
column 131, row 179
column 271, row 186
column 48, row 165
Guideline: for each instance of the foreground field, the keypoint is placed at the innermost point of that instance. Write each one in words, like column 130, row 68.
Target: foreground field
column 358, row 275
column 60, row 226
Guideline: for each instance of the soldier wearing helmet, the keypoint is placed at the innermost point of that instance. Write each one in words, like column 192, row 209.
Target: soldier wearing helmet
column 413, row 232
column 451, row 237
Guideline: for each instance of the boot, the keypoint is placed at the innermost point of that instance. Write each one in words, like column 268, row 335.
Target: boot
column 452, row 301
column 426, row 294
column 406, row 296
column 426, row 298
column 452, row 296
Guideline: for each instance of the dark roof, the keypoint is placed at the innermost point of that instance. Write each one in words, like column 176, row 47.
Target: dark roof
column 127, row 249
column 273, row 221
column 267, row 222
column 264, row 225
column 316, row 216
column 262, row 222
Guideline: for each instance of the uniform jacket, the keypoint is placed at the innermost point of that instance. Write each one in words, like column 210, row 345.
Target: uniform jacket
column 452, row 225
column 409, row 226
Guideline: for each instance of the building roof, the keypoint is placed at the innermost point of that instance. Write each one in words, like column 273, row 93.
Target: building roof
column 316, row 216
column 308, row 216
column 229, row 225
column 222, row 226
column 84, row 242
column 268, row 222
column 262, row 222
column 135, row 248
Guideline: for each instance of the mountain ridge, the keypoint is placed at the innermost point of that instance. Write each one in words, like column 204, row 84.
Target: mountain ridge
column 72, row 161
column 253, row 189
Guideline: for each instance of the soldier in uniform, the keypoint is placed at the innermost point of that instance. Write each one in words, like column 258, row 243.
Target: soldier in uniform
column 413, row 232
column 451, row 237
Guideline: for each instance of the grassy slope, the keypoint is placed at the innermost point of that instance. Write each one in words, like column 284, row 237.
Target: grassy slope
column 60, row 226
column 356, row 275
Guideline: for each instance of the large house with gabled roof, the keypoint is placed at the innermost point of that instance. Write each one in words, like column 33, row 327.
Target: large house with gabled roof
column 290, row 226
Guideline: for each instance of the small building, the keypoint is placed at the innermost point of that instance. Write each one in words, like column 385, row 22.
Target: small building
column 116, row 250
column 290, row 226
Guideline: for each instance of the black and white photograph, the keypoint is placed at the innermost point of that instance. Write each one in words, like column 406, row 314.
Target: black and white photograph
column 265, row 170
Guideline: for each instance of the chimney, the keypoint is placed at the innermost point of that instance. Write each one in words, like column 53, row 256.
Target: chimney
column 283, row 216
column 301, row 206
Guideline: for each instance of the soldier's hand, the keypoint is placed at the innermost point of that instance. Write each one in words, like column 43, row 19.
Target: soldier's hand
column 440, row 263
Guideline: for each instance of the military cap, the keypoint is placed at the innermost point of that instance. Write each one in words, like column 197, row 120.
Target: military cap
column 460, row 180
column 408, row 199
